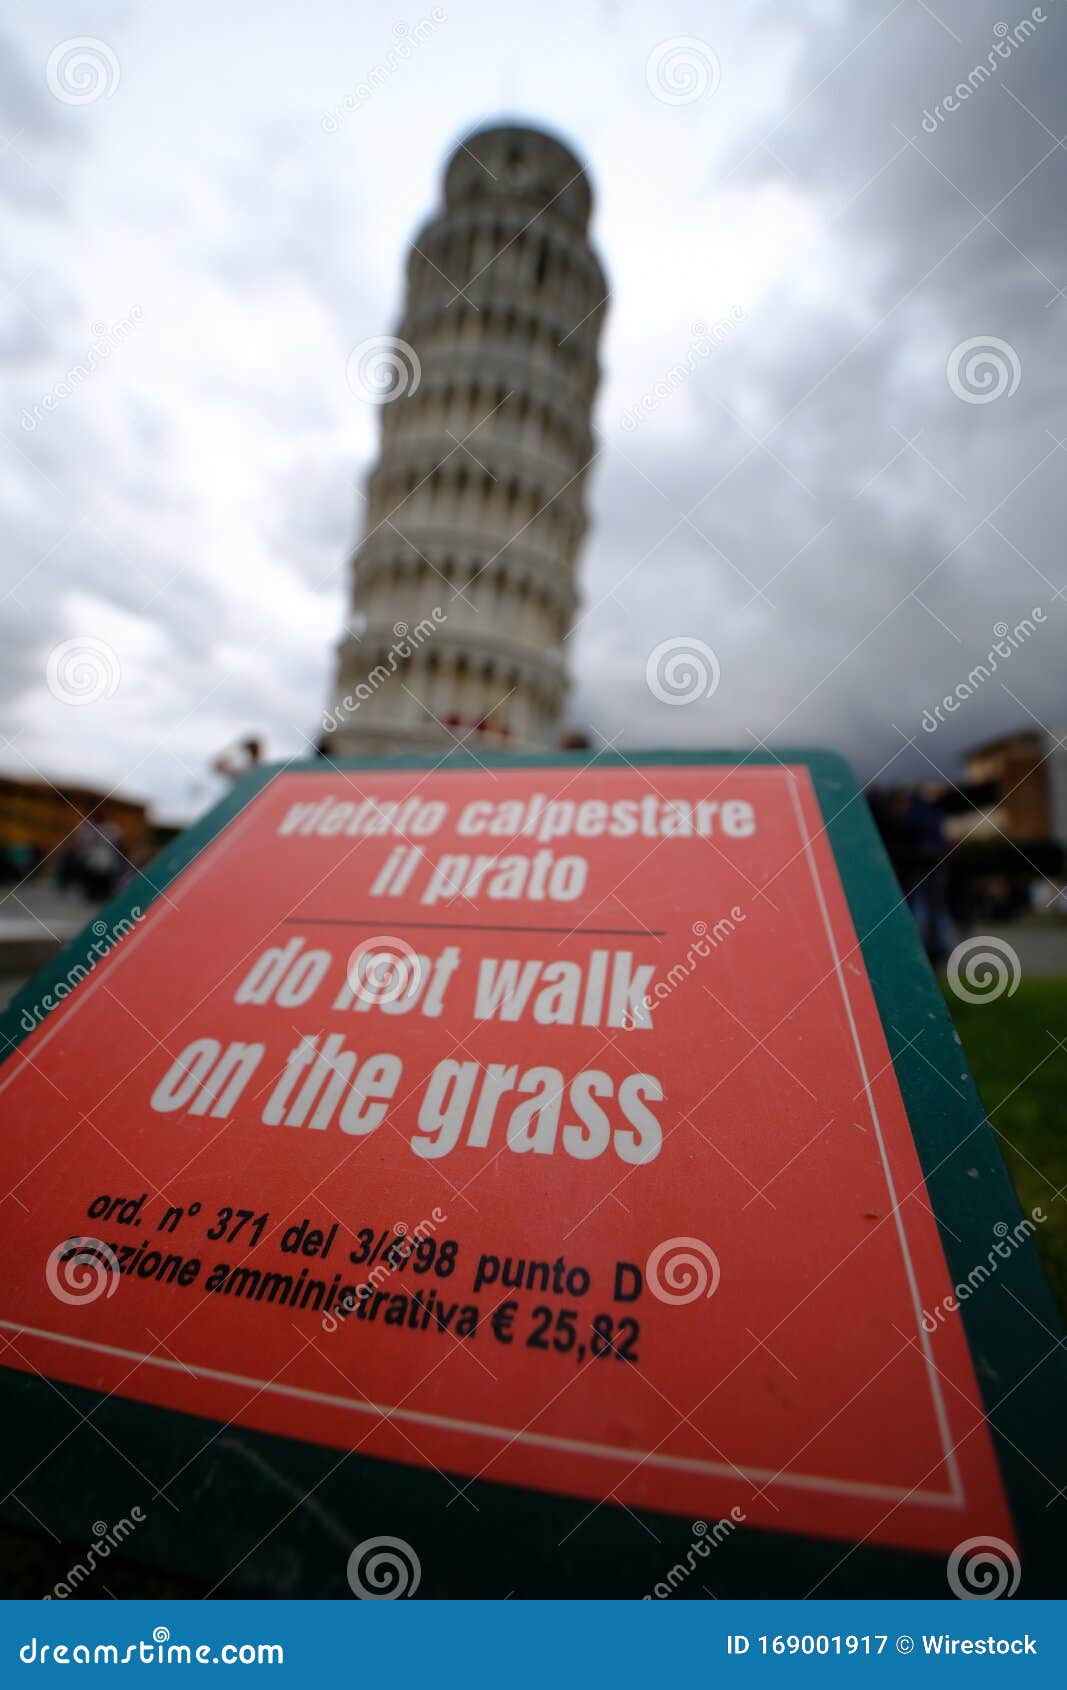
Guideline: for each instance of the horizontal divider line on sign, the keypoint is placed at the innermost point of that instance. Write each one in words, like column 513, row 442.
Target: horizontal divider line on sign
column 478, row 927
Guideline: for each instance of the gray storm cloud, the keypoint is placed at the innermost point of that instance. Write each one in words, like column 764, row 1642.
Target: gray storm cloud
column 792, row 469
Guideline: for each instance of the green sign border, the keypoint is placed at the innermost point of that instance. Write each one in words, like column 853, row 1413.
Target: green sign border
column 232, row 1510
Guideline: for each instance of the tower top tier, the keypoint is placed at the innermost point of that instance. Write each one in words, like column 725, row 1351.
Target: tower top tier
column 509, row 162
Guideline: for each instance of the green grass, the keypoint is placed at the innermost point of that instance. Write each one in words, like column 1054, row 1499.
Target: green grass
column 1022, row 1076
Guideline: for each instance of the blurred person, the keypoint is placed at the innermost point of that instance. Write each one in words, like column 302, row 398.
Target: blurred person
column 71, row 859
column 239, row 759
column 913, row 832
column 103, row 862
column 18, row 861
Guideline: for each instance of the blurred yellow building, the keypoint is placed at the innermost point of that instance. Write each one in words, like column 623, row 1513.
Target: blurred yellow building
column 39, row 815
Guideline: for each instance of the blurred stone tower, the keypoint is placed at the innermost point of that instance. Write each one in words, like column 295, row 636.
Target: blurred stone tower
column 464, row 581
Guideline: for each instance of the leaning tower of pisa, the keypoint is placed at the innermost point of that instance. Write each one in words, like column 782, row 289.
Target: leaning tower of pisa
column 464, row 580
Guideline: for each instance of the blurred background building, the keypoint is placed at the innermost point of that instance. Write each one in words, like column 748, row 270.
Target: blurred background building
column 37, row 817
column 1020, row 783
column 464, row 582
column 992, row 847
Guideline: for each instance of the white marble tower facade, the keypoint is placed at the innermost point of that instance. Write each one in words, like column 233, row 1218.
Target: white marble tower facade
column 464, row 581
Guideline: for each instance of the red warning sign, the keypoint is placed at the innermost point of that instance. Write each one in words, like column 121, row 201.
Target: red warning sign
column 535, row 1125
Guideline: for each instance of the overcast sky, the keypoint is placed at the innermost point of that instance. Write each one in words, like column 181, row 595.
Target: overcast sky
column 832, row 498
